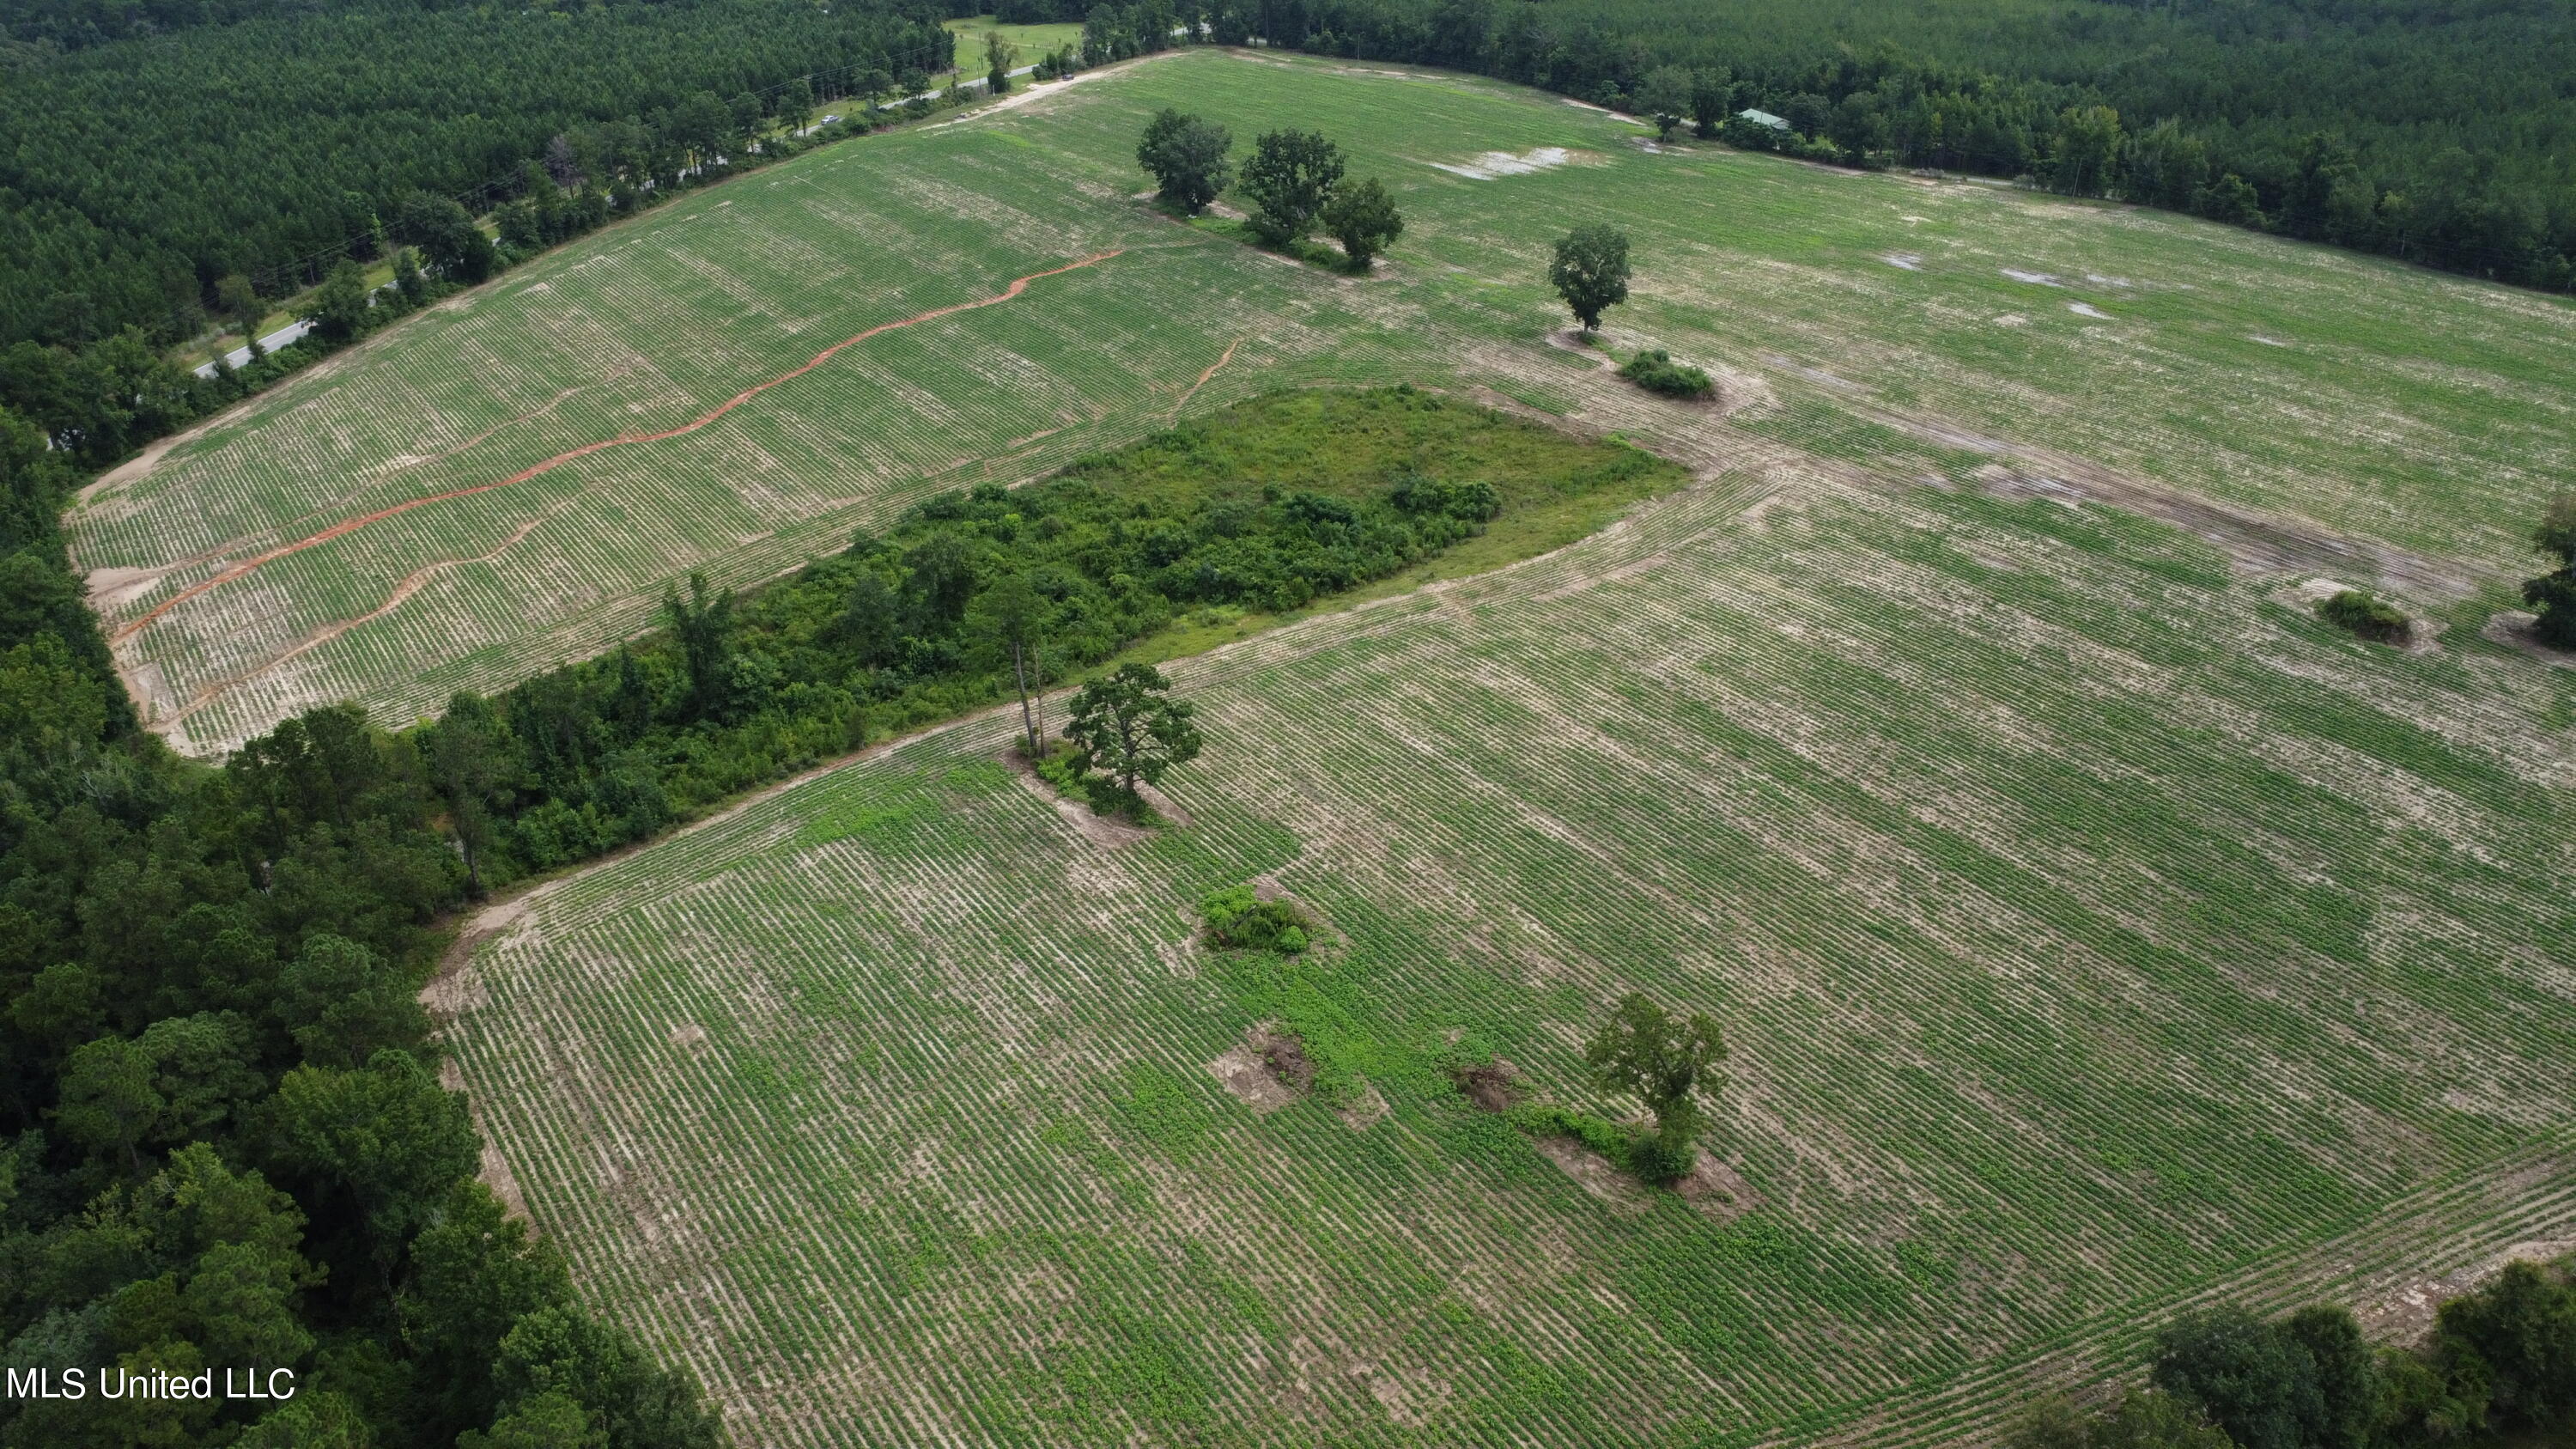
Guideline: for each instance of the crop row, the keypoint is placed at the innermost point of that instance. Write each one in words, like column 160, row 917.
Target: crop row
column 2068, row 966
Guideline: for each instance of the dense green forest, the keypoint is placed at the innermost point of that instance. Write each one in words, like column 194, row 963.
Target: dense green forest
column 2438, row 133
column 136, row 176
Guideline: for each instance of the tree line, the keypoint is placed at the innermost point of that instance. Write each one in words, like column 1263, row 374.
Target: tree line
column 1294, row 180
column 2498, row 1367
column 99, row 401
column 2374, row 125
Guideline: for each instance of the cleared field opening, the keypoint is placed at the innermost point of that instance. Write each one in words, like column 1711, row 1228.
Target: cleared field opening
column 2089, row 928
column 2376, row 402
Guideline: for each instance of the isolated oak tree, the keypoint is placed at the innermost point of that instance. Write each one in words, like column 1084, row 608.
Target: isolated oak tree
column 1129, row 725
column 1590, row 271
column 1648, row 1053
column 1186, row 155
column 1363, row 218
column 2554, row 593
column 1289, row 179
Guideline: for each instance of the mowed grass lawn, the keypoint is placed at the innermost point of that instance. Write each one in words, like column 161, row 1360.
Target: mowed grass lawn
column 2089, row 928
column 2369, row 398
column 1031, row 43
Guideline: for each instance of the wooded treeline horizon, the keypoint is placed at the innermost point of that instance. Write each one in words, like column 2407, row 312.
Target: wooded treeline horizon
column 150, row 150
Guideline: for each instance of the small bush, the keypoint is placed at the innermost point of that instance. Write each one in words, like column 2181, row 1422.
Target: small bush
column 1237, row 920
column 1660, row 1160
column 2366, row 617
column 1064, row 767
column 1655, row 371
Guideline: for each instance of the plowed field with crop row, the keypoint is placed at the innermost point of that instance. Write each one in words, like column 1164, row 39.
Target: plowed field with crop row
column 2379, row 406
column 2094, row 932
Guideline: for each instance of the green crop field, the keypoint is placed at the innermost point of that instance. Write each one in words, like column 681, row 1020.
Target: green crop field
column 2092, row 928
column 2341, row 411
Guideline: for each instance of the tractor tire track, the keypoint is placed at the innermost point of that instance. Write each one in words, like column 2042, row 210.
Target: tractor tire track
column 351, row 525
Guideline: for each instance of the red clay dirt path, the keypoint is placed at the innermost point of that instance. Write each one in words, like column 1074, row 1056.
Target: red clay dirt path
column 348, row 526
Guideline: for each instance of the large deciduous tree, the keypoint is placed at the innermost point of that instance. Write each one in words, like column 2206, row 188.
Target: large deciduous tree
column 1289, row 179
column 450, row 242
column 2249, row 1377
column 1363, row 218
column 339, row 306
column 1186, row 155
column 1013, row 618
column 703, row 624
column 1648, row 1053
column 998, row 55
column 1590, row 271
column 1129, row 725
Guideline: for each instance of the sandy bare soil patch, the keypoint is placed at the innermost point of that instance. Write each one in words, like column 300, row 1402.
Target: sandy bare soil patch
column 1248, row 1079
column 1365, row 1113
column 1567, row 339
column 2405, row 1314
column 2513, row 628
column 1492, row 1087
column 111, row 587
column 1716, row 1189
column 2256, row 544
column 1267, row 1071
column 1090, row 824
column 1492, row 164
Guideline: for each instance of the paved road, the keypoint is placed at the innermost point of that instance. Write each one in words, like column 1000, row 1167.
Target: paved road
column 240, row 356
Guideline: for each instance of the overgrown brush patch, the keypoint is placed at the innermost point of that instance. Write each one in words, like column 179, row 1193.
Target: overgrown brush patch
column 1655, row 371
column 1237, row 920
column 2366, row 617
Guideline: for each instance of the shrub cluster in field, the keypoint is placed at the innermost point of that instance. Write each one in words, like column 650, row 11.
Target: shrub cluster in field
column 1237, row 920
column 2500, row 1367
column 923, row 621
column 2365, row 616
column 1655, row 371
